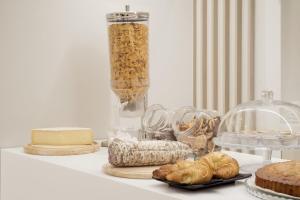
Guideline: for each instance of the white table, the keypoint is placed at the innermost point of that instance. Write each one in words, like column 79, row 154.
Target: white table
column 80, row 177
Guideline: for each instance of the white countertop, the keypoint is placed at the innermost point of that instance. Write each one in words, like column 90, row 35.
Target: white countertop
column 91, row 165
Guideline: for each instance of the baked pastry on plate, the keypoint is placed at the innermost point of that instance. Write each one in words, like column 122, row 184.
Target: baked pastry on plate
column 213, row 165
column 281, row 177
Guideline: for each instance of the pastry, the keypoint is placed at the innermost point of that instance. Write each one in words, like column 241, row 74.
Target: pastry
column 223, row 166
column 280, row 177
column 164, row 170
column 146, row 153
column 216, row 164
column 198, row 173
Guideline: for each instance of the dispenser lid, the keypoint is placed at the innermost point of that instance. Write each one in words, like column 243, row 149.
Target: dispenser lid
column 127, row 16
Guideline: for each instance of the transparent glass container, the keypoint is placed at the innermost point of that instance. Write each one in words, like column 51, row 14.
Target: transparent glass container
column 196, row 128
column 156, row 123
column 264, row 124
column 128, row 48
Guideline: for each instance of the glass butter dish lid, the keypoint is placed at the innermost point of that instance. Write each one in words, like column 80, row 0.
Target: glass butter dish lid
column 264, row 123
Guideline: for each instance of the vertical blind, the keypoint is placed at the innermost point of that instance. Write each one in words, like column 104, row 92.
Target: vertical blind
column 224, row 56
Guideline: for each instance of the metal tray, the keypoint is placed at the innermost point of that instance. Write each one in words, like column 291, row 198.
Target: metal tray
column 212, row 183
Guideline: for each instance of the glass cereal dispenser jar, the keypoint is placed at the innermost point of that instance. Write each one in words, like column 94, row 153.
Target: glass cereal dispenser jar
column 128, row 48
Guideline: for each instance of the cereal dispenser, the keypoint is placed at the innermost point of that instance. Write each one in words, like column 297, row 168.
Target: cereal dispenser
column 128, row 47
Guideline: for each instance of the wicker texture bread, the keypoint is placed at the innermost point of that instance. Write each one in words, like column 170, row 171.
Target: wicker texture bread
column 280, row 177
column 146, row 153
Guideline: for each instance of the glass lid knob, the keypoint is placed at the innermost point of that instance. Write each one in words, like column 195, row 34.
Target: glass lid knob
column 267, row 96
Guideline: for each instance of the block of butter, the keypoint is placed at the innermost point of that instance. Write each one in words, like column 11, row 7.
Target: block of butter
column 62, row 136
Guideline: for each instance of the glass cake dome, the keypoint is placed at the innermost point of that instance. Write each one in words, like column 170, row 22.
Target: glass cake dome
column 264, row 124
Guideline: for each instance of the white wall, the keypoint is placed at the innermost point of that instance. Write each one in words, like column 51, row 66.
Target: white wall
column 291, row 50
column 277, row 47
column 54, row 64
column 291, row 58
column 267, row 47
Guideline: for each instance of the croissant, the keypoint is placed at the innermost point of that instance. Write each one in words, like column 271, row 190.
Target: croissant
column 199, row 173
column 216, row 164
column 164, row 170
column 222, row 165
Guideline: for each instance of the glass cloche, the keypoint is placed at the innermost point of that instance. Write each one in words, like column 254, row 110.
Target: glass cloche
column 265, row 124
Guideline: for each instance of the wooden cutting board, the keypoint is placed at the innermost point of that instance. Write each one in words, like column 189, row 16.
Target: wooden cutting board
column 50, row 150
column 130, row 172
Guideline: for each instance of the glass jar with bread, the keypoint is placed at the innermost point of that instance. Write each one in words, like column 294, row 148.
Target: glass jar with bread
column 196, row 128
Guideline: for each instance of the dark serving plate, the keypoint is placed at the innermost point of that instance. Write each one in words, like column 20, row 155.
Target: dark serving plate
column 212, row 183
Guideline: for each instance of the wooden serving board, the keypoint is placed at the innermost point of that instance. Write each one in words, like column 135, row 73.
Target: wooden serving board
column 130, row 172
column 64, row 150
